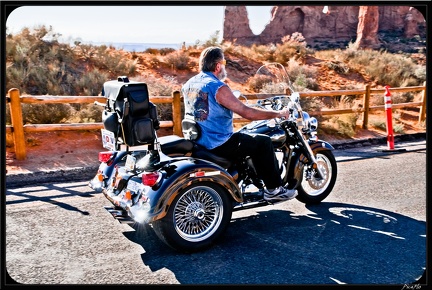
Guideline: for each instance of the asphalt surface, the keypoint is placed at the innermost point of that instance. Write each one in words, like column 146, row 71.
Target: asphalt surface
column 370, row 230
column 88, row 172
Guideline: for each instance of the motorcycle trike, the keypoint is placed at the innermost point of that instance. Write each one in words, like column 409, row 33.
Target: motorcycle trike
column 188, row 194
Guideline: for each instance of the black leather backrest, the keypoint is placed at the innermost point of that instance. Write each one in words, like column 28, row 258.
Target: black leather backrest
column 138, row 102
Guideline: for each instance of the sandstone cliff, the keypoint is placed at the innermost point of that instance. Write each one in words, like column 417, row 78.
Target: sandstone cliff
column 339, row 23
column 367, row 29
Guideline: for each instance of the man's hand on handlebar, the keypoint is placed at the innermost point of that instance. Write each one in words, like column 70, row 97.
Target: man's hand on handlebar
column 284, row 114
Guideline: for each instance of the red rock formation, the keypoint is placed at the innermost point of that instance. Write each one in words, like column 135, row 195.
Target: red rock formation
column 367, row 29
column 412, row 24
column 236, row 24
column 311, row 22
column 339, row 24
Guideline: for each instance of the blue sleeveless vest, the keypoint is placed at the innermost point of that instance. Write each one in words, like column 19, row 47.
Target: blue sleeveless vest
column 215, row 121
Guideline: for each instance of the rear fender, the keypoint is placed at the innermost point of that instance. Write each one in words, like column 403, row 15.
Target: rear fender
column 117, row 157
column 181, row 173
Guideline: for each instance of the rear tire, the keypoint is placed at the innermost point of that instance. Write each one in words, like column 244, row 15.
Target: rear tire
column 197, row 217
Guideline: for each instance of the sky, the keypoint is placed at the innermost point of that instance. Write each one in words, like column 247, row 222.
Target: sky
column 132, row 24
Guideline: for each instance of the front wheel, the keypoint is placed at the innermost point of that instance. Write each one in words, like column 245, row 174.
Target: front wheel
column 196, row 218
column 313, row 190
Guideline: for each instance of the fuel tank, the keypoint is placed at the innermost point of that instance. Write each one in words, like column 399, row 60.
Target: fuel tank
column 266, row 127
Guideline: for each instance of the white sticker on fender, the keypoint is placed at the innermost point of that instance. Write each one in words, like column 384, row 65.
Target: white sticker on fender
column 204, row 173
column 133, row 186
column 130, row 162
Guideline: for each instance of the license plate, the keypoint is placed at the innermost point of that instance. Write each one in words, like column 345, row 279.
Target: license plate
column 133, row 186
column 130, row 162
column 108, row 139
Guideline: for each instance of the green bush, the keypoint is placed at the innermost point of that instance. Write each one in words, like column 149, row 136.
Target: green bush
column 91, row 82
column 292, row 46
column 212, row 41
column 302, row 76
column 256, row 83
column 46, row 113
column 395, row 70
column 177, row 60
column 40, row 65
column 86, row 113
column 344, row 124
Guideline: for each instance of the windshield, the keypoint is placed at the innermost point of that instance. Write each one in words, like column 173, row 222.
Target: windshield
column 273, row 78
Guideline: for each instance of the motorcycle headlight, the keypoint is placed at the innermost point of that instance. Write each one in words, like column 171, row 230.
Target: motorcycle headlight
column 310, row 123
column 313, row 124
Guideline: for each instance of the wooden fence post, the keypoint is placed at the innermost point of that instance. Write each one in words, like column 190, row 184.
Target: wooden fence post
column 176, row 112
column 17, row 124
column 422, row 115
column 366, row 107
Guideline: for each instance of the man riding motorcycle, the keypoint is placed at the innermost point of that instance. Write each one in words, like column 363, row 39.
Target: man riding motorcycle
column 211, row 103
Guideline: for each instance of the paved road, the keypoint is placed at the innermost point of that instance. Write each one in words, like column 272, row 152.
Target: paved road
column 370, row 230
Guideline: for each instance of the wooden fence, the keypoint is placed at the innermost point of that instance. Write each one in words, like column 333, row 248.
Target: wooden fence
column 18, row 128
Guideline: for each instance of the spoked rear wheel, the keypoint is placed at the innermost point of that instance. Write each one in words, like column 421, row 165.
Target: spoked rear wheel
column 196, row 218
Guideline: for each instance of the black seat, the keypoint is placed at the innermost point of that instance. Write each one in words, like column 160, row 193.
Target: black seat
column 202, row 153
column 192, row 131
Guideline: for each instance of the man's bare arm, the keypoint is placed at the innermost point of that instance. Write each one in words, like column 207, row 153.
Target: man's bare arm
column 226, row 98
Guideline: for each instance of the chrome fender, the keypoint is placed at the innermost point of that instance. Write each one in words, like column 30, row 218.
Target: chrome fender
column 320, row 145
column 181, row 173
column 316, row 146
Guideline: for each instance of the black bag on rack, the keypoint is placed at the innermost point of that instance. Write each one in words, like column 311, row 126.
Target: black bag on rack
column 129, row 114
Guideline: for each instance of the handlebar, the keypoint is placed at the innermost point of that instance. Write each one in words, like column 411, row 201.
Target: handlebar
column 281, row 102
